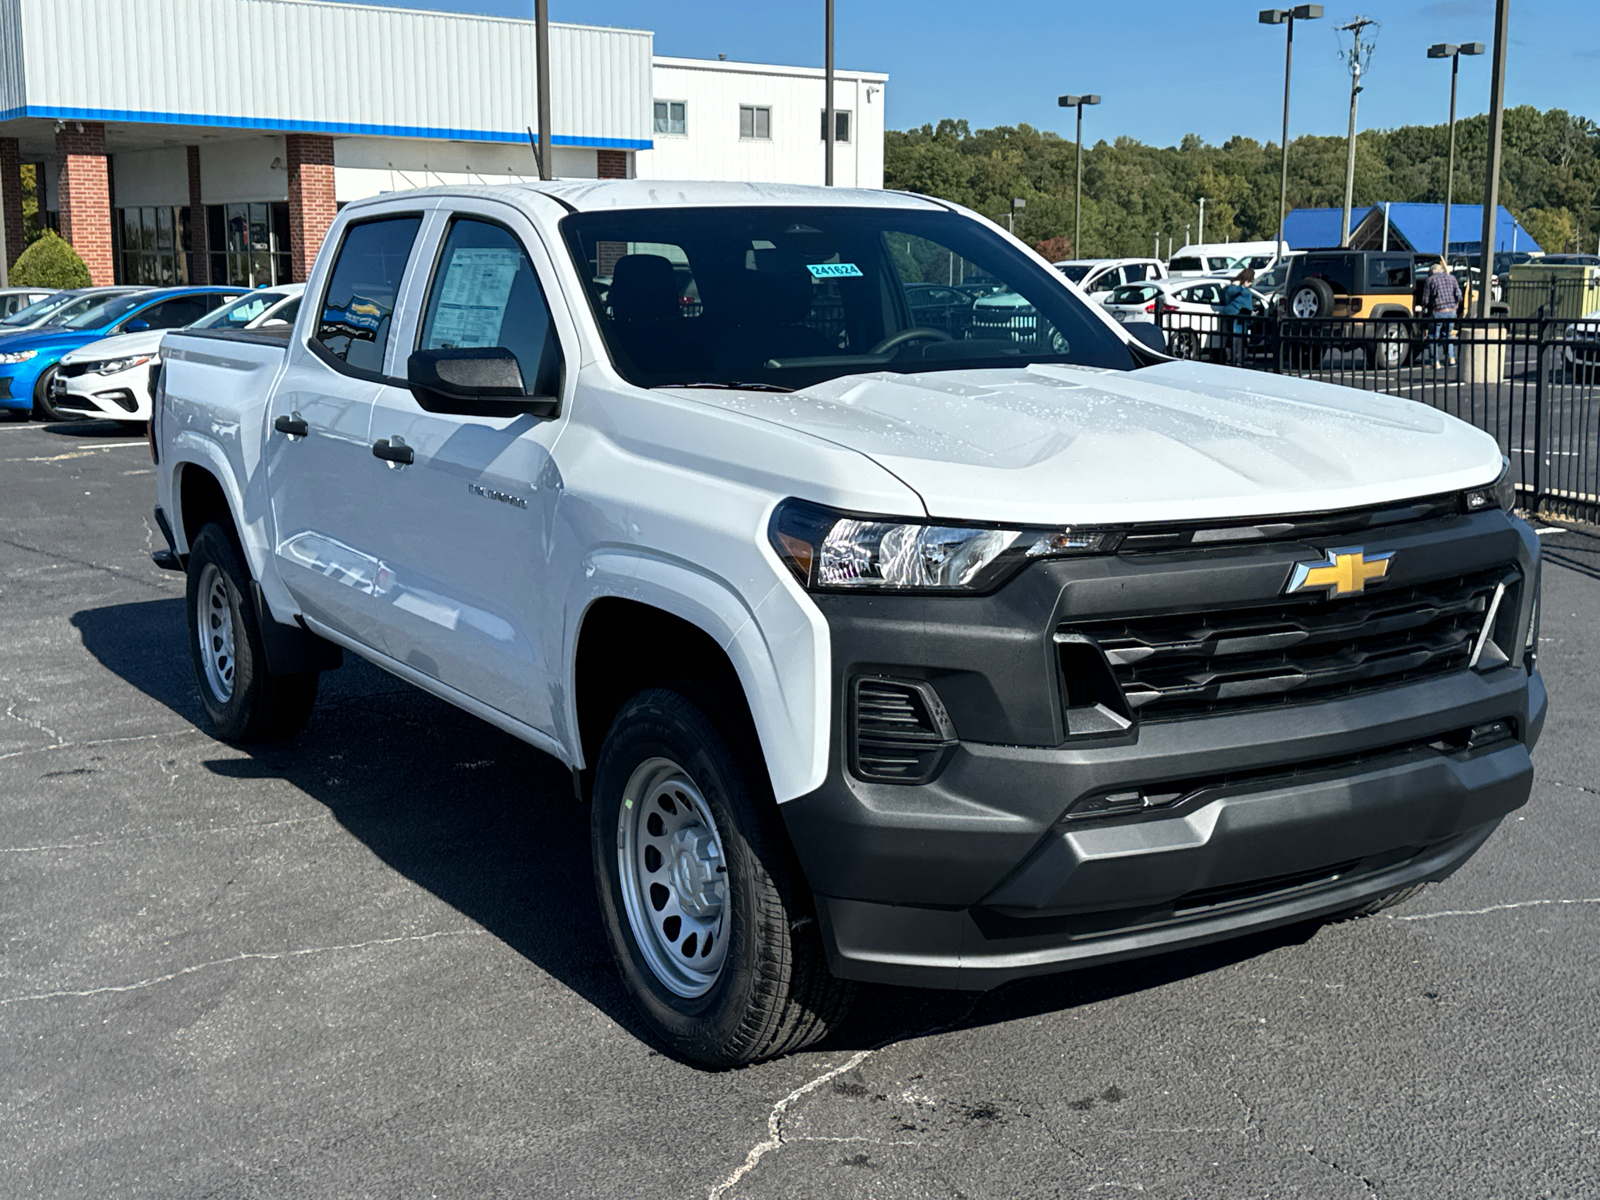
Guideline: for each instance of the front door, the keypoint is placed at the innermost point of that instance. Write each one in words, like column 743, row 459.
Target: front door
column 321, row 472
column 464, row 585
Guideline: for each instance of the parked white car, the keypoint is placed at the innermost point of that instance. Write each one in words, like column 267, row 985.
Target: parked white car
column 1189, row 310
column 14, row 299
column 110, row 379
column 1216, row 258
column 1095, row 275
column 878, row 651
column 57, row 308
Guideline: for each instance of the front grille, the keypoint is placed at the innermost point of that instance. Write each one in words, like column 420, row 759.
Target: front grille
column 1289, row 652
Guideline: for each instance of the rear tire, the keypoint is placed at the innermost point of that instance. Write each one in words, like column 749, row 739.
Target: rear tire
column 707, row 914
column 245, row 701
column 1389, row 350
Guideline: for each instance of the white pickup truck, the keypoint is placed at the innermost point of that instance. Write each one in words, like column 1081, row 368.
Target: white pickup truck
column 882, row 650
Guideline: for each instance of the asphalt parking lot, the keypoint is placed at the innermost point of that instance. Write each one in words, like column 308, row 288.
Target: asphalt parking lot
column 368, row 963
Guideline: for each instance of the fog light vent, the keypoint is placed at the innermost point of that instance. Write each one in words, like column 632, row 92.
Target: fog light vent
column 901, row 732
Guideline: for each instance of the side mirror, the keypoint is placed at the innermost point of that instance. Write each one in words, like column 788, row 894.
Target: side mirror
column 476, row 382
column 137, row 325
column 1149, row 333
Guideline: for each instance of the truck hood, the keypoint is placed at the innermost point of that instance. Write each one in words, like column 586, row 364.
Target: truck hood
column 1180, row 441
column 124, row 345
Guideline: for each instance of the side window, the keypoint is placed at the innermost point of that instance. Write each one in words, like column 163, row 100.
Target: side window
column 172, row 314
column 1111, row 279
column 485, row 293
column 359, row 303
column 1389, row 272
column 285, row 315
column 1134, row 272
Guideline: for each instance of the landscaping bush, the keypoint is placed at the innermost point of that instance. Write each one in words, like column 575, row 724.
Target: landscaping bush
column 49, row 262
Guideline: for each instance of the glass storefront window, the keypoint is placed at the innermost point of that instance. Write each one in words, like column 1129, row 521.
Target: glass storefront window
column 249, row 243
column 151, row 244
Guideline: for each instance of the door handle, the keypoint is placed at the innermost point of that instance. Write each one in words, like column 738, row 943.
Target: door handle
column 393, row 450
column 293, row 424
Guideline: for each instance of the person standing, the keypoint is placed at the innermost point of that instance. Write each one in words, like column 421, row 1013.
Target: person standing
column 1441, row 303
column 1237, row 303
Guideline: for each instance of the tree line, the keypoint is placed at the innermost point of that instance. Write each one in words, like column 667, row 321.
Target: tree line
column 1132, row 191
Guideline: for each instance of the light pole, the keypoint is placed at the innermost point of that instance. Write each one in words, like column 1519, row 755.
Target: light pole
column 827, row 112
column 1453, row 53
column 1078, row 102
column 1202, row 220
column 1011, row 219
column 1497, row 124
column 541, row 52
column 1287, row 16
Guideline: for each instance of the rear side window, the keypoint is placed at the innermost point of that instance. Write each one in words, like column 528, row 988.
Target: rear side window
column 172, row 314
column 1389, row 272
column 359, row 304
column 1186, row 264
column 485, row 293
column 1132, row 294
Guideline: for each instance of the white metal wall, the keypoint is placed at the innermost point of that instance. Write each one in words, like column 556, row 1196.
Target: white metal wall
column 332, row 68
column 712, row 148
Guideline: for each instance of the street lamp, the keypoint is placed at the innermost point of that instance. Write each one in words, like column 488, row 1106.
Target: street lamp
column 1453, row 53
column 1078, row 102
column 1287, row 16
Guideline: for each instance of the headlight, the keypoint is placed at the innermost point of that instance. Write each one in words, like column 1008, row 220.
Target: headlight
column 829, row 550
column 114, row 365
column 18, row 356
column 1502, row 493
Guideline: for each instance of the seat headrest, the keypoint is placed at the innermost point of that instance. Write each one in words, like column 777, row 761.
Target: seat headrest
column 643, row 288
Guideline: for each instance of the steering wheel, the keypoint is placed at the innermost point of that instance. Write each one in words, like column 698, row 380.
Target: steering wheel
column 915, row 333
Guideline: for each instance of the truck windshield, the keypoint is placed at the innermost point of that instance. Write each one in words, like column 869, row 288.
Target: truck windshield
column 789, row 297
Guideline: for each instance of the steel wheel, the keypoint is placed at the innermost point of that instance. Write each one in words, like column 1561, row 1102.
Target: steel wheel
column 214, row 620
column 673, row 876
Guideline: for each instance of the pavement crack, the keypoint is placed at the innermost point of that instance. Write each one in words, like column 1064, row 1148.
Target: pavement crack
column 1492, row 908
column 1372, row 1188
column 775, row 1137
column 32, row 723
column 141, row 737
column 1577, row 787
column 118, row 572
column 253, row 956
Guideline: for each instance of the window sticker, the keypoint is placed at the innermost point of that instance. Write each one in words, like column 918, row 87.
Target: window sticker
column 834, row 270
column 472, row 303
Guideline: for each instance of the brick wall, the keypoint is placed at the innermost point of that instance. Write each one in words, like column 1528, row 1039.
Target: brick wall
column 83, row 190
column 11, row 198
column 312, row 205
column 613, row 164
column 199, row 231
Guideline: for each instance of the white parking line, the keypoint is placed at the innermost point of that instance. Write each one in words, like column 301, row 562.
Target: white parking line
column 86, row 452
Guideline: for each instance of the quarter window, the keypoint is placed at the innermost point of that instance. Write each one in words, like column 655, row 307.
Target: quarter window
column 359, row 303
column 755, row 122
column 486, row 294
column 670, row 117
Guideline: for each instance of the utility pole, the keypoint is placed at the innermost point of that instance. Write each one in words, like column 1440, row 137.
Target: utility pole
column 1359, row 56
column 1078, row 102
column 1497, row 125
column 1453, row 53
column 541, row 37
column 827, row 112
column 1287, row 16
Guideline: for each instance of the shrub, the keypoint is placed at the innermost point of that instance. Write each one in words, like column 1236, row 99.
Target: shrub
column 50, row 262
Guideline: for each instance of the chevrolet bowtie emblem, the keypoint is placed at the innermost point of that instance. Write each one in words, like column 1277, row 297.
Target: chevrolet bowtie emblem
column 1345, row 572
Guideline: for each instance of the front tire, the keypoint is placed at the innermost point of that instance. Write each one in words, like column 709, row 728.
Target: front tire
column 245, row 701
column 707, row 915
column 43, row 410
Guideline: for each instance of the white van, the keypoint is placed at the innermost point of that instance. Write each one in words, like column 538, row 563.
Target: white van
column 1216, row 258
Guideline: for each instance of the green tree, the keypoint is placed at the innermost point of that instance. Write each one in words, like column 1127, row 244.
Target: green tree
column 50, row 262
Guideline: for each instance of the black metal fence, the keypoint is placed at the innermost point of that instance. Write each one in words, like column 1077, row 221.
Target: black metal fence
column 1534, row 383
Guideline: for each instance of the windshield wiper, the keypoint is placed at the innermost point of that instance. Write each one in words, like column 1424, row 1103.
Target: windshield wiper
column 732, row 387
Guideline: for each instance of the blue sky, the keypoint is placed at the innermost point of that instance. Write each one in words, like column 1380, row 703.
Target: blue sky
column 1165, row 67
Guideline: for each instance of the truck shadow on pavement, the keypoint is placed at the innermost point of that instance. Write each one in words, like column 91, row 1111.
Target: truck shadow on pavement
column 489, row 825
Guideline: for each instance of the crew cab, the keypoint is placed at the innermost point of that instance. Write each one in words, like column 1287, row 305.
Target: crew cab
column 878, row 651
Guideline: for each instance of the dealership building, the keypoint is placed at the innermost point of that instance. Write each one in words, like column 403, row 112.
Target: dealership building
column 213, row 141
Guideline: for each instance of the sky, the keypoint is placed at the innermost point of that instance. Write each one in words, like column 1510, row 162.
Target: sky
column 1164, row 67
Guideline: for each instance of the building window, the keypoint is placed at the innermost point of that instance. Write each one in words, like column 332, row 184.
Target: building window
column 841, row 125
column 755, row 122
column 249, row 243
column 670, row 117
column 150, row 245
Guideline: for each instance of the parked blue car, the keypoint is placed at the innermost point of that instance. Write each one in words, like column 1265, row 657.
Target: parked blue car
column 62, row 306
column 29, row 360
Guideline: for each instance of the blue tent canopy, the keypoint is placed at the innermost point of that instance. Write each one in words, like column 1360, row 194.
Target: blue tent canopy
column 1411, row 226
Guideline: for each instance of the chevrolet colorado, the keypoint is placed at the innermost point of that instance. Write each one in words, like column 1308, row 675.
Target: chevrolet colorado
column 927, row 651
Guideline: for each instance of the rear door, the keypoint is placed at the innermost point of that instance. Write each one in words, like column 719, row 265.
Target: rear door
column 464, row 588
column 321, row 472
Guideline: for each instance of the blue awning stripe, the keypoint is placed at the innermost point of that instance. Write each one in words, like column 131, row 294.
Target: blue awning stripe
column 343, row 128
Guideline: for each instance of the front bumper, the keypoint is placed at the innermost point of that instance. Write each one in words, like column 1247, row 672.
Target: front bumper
column 1287, row 812
column 120, row 397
